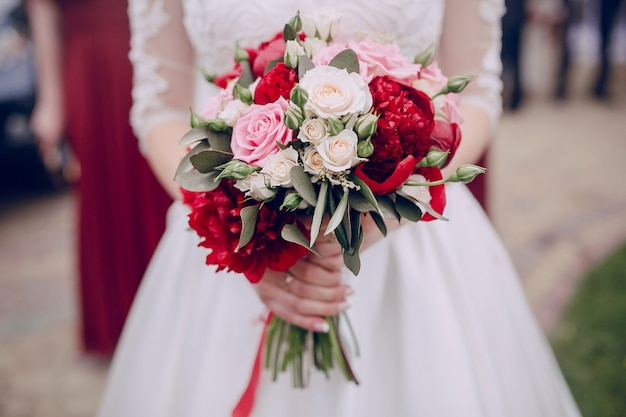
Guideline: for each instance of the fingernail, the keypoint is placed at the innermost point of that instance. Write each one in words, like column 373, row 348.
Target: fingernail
column 349, row 291
column 321, row 327
column 343, row 306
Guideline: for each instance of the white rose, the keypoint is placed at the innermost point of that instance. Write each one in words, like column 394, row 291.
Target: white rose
column 278, row 167
column 232, row 111
column 255, row 186
column 313, row 130
column 420, row 193
column 312, row 161
column 339, row 153
column 252, row 87
column 334, row 92
column 321, row 23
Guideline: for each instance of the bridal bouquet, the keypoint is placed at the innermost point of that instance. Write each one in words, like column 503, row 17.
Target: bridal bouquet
column 306, row 129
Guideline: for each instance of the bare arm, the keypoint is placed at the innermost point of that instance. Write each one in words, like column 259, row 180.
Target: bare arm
column 48, row 119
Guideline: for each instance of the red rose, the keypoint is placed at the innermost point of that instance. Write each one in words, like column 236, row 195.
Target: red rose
column 406, row 120
column 277, row 83
column 437, row 192
column 446, row 137
column 222, row 80
column 216, row 217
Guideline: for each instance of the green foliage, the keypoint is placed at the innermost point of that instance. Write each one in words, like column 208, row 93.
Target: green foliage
column 590, row 341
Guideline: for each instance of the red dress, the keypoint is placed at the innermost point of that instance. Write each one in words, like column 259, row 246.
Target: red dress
column 121, row 206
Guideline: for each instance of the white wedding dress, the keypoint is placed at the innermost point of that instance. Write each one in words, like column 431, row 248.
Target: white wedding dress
column 442, row 322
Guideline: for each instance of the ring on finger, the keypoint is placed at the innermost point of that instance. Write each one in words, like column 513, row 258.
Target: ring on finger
column 288, row 280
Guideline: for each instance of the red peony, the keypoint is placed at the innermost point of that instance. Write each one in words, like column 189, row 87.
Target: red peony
column 215, row 216
column 277, row 83
column 406, row 120
column 446, row 137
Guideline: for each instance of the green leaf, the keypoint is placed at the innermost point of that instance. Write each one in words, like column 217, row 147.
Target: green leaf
column 366, row 192
column 289, row 33
column 357, row 230
column 337, row 217
column 246, row 78
column 304, row 64
column 359, row 203
column 302, row 183
column 206, row 161
column 248, row 225
column 346, row 59
column 291, row 233
column 318, row 214
column 408, row 209
column 220, row 141
column 340, row 232
column 380, row 222
column 388, row 207
column 194, row 135
column 197, row 181
column 352, row 261
column 196, row 120
column 185, row 164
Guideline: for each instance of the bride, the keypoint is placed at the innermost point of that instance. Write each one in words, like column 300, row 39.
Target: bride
column 443, row 326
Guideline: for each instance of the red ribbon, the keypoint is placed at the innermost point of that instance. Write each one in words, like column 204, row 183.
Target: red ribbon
column 246, row 402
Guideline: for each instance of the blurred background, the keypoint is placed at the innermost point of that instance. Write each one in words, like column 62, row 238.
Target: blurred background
column 556, row 192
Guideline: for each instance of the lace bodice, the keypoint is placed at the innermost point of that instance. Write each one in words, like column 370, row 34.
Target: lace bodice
column 173, row 39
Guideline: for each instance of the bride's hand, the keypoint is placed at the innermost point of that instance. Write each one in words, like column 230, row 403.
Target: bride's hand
column 310, row 290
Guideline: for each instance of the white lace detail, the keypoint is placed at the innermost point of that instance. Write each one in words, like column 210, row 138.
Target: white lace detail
column 490, row 81
column 147, row 19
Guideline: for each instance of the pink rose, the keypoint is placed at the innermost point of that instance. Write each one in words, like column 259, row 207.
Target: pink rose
column 258, row 131
column 378, row 59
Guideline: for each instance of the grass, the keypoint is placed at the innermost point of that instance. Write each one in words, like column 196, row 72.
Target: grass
column 590, row 340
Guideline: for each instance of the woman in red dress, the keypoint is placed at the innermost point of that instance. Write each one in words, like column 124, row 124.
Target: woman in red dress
column 84, row 93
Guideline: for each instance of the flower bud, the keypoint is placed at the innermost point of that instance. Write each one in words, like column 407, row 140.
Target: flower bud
column 241, row 54
column 366, row 126
column 298, row 96
column 456, row 84
column 425, row 57
column 208, row 75
column 365, row 148
column 242, row 94
column 196, row 120
column 296, row 22
column 291, row 202
column 235, row 169
column 466, row 173
column 293, row 117
column 218, row 125
column 293, row 50
column 434, row 159
column 334, row 127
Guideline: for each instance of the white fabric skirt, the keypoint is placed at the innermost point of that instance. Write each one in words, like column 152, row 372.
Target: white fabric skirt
column 442, row 324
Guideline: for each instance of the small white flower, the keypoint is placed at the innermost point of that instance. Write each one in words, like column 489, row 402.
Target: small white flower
column 255, row 186
column 232, row 111
column 293, row 50
column 321, row 23
column 278, row 167
column 339, row 153
column 312, row 160
column 334, row 92
column 313, row 130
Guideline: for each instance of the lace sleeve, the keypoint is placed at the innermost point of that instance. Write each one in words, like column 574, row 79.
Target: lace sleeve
column 163, row 65
column 470, row 45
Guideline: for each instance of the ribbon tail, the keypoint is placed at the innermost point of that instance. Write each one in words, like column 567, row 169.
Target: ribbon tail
column 246, row 402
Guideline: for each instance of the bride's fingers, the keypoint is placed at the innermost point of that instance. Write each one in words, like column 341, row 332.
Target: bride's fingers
column 302, row 312
column 322, row 274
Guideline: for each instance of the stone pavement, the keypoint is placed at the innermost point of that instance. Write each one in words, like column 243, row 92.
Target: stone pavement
column 558, row 199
